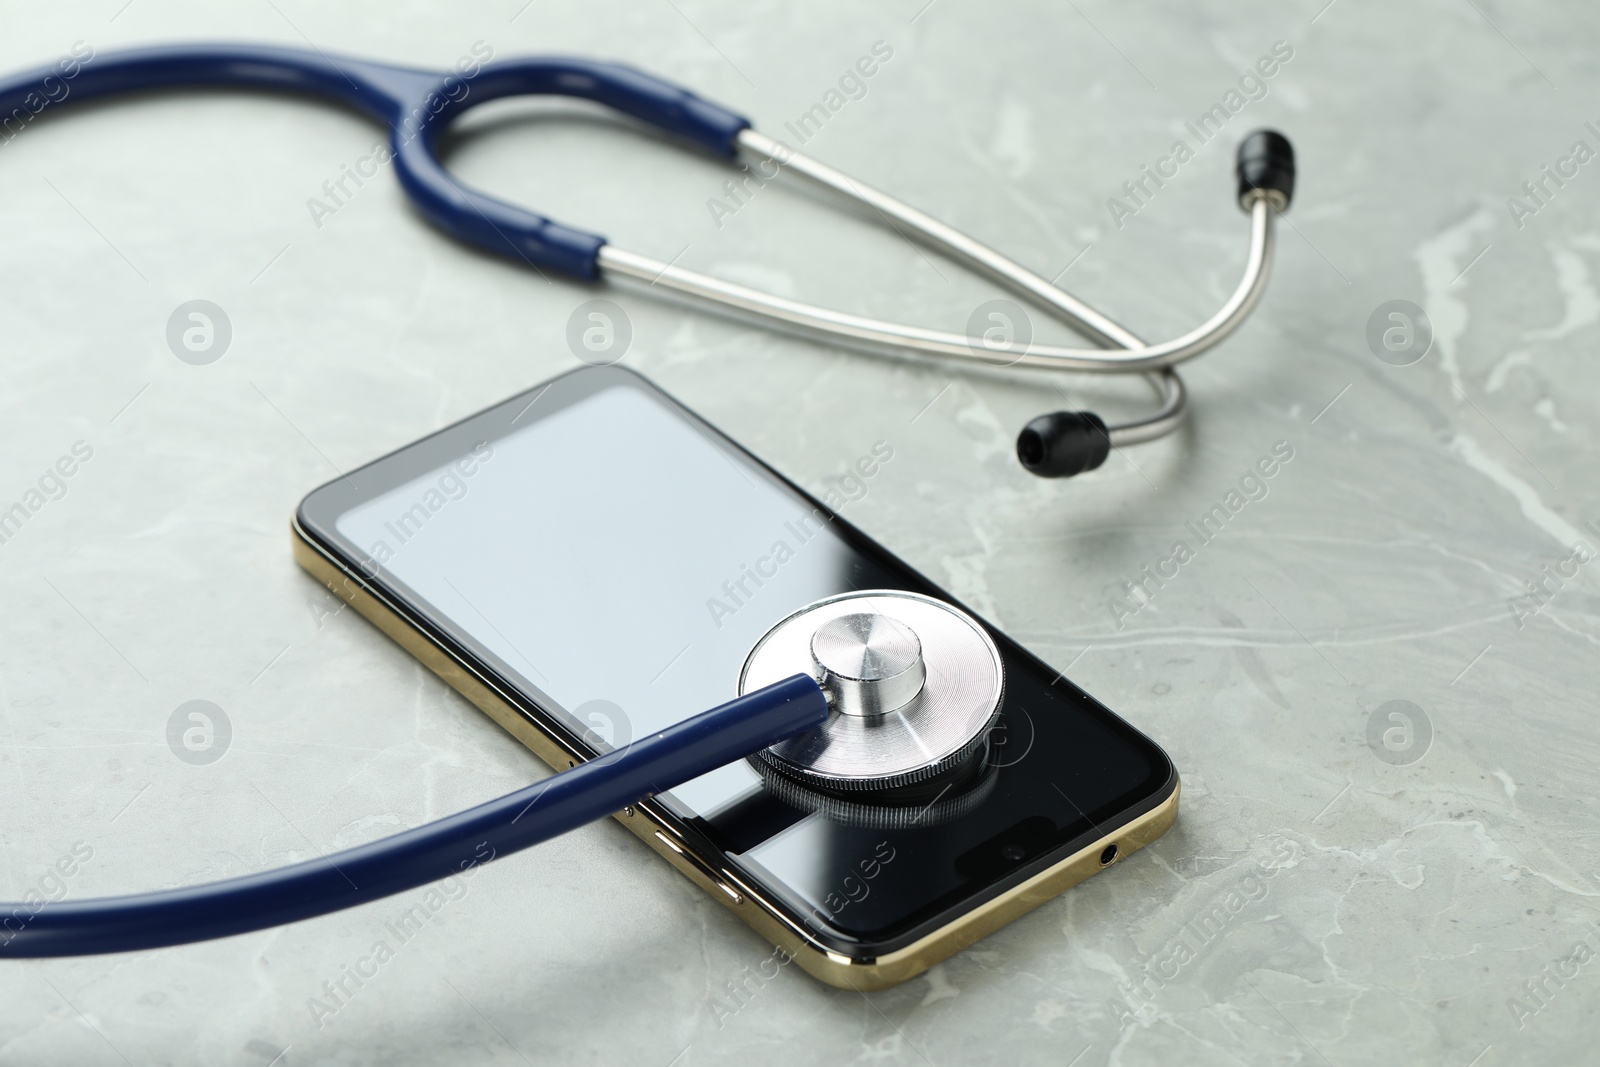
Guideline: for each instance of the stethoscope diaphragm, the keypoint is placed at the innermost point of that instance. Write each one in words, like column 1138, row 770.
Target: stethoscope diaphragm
column 914, row 687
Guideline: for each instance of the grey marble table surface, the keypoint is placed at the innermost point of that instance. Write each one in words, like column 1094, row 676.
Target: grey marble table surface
column 1377, row 680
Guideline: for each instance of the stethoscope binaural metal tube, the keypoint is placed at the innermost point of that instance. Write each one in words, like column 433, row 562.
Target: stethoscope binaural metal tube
column 877, row 334
column 1174, row 407
column 1083, row 319
column 1123, row 352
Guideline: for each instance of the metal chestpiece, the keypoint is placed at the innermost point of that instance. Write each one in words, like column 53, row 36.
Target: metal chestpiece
column 914, row 686
column 867, row 664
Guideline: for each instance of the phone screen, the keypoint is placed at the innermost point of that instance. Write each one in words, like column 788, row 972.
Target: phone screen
column 614, row 559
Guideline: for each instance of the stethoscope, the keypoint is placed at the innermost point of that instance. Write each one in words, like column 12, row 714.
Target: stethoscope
column 867, row 695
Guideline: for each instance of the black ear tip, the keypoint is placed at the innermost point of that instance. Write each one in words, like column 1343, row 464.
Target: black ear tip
column 1030, row 447
column 1266, row 163
column 1063, row 443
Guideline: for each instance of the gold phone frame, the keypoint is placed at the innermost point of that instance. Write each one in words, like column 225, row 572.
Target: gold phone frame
column 656, row 829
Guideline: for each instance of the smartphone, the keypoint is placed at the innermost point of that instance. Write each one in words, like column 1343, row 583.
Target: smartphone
column 590, row 561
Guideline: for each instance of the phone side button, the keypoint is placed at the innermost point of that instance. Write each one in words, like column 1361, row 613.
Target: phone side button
column 701, row 867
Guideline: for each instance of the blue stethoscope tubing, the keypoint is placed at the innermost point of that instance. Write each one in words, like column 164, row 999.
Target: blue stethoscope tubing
column 531, row 815
column 416, row 106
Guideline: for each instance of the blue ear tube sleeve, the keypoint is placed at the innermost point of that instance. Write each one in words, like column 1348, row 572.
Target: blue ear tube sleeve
column 416, row 105
column 416, row 857
column 512, row 231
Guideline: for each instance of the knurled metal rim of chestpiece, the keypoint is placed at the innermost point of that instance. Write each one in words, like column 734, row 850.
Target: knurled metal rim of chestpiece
column 869, row 650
